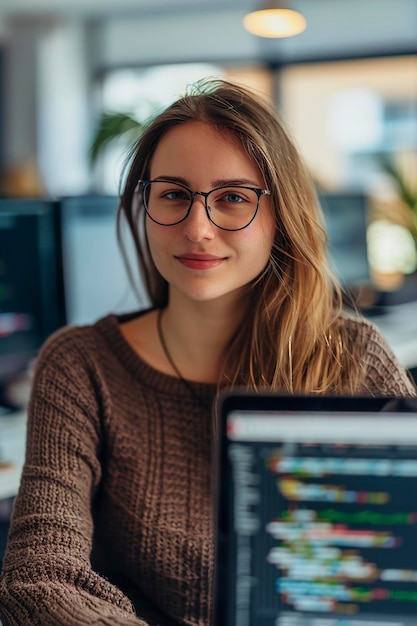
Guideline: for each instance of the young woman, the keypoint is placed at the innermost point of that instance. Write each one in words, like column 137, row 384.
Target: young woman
column 113, row 522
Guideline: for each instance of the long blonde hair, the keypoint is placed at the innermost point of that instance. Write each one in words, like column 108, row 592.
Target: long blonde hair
column 292, row 339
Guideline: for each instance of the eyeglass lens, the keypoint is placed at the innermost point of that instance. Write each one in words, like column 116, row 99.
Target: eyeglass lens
column 230, row 208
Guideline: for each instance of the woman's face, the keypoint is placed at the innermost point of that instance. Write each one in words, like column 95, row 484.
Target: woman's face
column 196, row 258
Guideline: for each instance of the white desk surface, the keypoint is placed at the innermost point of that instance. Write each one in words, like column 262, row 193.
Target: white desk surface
column 12, row 449
column 398, row 325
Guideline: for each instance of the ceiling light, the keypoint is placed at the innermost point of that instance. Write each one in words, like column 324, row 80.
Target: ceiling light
column 275, row 19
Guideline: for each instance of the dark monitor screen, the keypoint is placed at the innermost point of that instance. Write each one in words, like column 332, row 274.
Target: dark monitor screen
column 346, row 220
column 95, row 276
column 31, row 295
column 317, row 514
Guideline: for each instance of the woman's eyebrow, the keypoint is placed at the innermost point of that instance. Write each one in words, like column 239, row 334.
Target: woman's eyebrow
column 173, row 179
column 220, row 182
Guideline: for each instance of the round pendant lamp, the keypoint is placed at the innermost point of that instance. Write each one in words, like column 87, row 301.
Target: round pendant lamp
column 275, row 19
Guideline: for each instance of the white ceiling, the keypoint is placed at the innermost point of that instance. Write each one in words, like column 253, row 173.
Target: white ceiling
column 373, row 26
column 97, row 8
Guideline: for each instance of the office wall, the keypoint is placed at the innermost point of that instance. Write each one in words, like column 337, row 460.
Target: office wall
column 51, row 63
column 335, row 28
column 309, row 93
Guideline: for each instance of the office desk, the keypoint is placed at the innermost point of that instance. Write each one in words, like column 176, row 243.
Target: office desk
column 12, row 450
column 399, row 327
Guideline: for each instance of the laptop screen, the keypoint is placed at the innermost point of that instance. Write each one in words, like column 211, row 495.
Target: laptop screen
column 317, row 513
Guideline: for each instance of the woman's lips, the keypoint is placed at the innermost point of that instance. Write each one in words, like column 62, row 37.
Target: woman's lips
column 200, row 261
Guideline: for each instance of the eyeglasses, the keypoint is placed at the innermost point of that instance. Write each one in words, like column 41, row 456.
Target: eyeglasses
column 230, row 207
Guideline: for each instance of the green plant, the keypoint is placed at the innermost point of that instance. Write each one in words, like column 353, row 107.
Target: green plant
column 112, row 126
column 406, row 193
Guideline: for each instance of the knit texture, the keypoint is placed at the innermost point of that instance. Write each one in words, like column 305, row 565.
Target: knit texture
column 113, row 523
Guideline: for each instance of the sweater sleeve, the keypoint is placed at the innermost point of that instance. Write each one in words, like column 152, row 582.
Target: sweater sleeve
column 47, row 577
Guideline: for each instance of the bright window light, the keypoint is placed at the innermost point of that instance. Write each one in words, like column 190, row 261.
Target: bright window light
column 143, row 93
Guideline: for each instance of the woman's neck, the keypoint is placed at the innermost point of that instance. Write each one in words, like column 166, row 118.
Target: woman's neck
column 196, row 337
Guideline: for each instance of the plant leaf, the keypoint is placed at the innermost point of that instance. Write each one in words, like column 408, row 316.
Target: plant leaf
column 406, row 194
column 111, row 126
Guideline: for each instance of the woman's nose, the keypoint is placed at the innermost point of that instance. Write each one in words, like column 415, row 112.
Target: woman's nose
column 197, row 226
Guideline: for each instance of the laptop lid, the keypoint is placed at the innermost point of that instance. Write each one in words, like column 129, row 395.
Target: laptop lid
column 316, row 511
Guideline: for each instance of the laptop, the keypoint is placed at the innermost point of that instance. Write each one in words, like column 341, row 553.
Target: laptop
column 316, row 511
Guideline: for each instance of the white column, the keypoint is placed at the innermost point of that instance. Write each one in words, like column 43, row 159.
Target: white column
column 20, row 140
column 63, row 108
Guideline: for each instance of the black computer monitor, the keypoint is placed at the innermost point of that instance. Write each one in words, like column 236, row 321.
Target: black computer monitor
column 95, row 276
column 346, row 216
column 31, row 292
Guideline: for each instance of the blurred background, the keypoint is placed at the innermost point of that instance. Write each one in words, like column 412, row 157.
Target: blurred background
column 346, row 86
column 77, row 80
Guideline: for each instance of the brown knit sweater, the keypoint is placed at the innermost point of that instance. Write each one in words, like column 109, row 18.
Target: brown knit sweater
column 113, row 522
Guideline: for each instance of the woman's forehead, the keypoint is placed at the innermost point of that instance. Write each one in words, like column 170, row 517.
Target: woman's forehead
column 193, row 143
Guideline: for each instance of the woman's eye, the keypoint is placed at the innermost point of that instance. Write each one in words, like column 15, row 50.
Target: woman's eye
column 233, row 198
column 176, row 195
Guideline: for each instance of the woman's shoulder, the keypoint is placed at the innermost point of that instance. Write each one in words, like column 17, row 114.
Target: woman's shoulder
column 359, row 325
column 94, row 350
column 78, row 345
column 364, row 334
column 103, row 333
column 384, row 373
column 75, row 339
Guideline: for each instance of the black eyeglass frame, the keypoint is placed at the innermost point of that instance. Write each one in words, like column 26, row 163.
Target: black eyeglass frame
column 143, row 184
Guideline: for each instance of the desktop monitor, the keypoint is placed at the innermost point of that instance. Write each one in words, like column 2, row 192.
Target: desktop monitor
column 31, row 295
column 95, row 276
column 346, row 220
